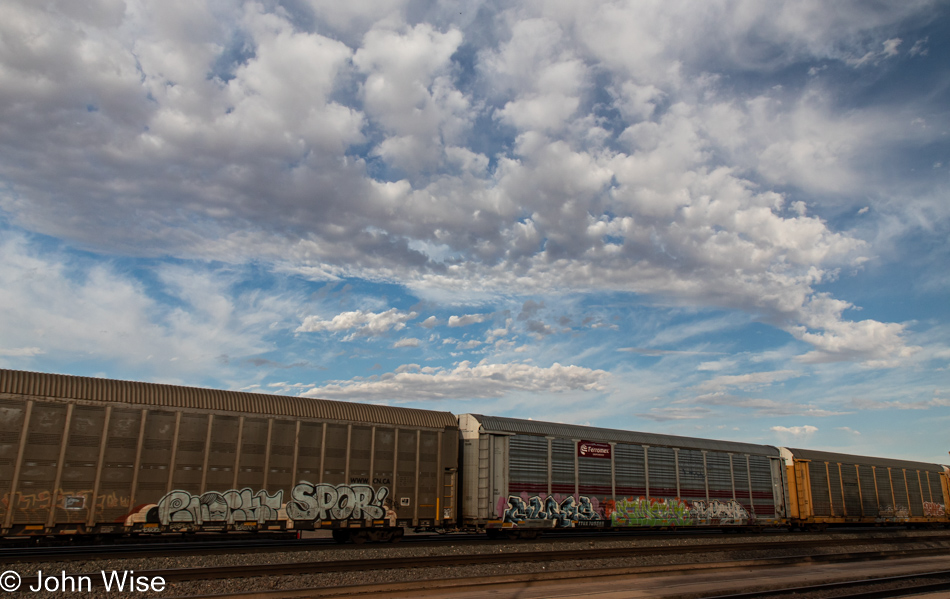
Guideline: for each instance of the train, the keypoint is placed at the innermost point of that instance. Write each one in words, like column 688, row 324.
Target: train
column 92, row 457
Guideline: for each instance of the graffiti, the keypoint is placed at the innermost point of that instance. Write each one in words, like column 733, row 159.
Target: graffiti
column 650, row 512
column 230, row 507
column 934, row 510
column 337, row 502
column 564, row 511
column 39, row 503
column 718, row 512
column 897, row 512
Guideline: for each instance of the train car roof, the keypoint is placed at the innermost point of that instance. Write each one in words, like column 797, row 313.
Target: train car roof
column 498, row 424
column 31, row 385
column 844, row 458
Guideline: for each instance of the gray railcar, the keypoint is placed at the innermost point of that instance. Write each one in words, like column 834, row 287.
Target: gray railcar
column 93, row 456
column 526, row 475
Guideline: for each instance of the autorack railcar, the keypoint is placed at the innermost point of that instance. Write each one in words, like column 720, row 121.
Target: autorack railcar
column 84, row 455
column 523, row 476
column 828, row 488
column 88, row 456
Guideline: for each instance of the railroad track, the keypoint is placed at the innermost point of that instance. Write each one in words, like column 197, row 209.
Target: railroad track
column 213, row 546
column 807, row 552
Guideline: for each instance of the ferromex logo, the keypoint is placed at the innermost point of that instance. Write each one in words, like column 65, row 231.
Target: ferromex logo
column 589, row 449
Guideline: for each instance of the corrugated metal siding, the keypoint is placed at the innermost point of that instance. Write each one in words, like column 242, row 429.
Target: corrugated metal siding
column 59, row 386
column 528, row 465
column 868, row 492
column 499, row 424
column 629, row 472
column 827, row 456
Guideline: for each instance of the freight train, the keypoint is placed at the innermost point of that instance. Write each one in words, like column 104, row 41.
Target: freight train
column 96, row 457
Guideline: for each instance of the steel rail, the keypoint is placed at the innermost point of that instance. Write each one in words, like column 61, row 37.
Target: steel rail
column 376, row 563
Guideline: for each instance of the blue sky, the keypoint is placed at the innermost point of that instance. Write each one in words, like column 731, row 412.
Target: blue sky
column 726, row 220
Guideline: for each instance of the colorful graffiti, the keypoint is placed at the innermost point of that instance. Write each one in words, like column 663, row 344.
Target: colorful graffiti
column 230, row 506
column 719, row 512
column 337, row 502
column 564, row 511
column 649, row 512
column 934, row 510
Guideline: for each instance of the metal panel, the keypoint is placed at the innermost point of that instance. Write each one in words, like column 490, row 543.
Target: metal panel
column 740, row 473
column 868, row 492
column 250, row 472
column 485, row 509
column 223, row 449
column 190, row 457
column 12, row 416
column 763, row 499
column 361, row 454
column 334, row 461
column 570, row 431
column 309, row 453
column 528, row 465
column 827, row 456
column 280, row 465
column 720, row 476
column 852, row 496
column 81, row 458
column 406, row 500
column 563, row 477
column 834, row 485
column 884, row 494
column 156, row 456
column 594, row 478
column 14, row 383
column 428, row 475
column 913, row 490
column 39, row 463
column 662, row 473
column 629, row 471
column 692, row 475
column 900, row 493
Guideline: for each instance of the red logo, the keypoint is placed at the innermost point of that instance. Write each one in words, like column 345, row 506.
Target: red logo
column 590, row 449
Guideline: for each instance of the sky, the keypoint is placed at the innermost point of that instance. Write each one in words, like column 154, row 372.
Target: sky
column 727, row 219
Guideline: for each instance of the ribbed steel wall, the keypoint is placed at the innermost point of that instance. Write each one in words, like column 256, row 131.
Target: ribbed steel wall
column 827, row 456
column 499, row 424
column 58, row 386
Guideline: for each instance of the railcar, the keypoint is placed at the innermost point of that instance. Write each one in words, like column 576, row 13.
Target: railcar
column 83, row 456
column 523, row 476
column 828, row 488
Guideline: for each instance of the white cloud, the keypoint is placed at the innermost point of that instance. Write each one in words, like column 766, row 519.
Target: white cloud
column 366, row 323
column 747, row 382
column 467, row 319
column 796, row 431
column 465, row 381
column 408, row 342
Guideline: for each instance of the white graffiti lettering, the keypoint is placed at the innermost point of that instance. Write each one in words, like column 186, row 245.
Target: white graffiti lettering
column 230, row 507
column 718, row 512
column 336, row 502
column 934, row 510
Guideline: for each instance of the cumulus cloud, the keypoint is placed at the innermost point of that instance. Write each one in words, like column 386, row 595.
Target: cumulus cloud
column 467, row 319
column 465, row 381
column 365, row 323
column 341, row 141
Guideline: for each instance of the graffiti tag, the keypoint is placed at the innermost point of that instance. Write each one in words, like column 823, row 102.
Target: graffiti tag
column 336, row 502
column 934, row 510
column 650, row 512
column 230, row 506
column 565, row 512
column 718, row 512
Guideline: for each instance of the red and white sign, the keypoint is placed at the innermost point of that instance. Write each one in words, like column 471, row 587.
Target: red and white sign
column 590, row 449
